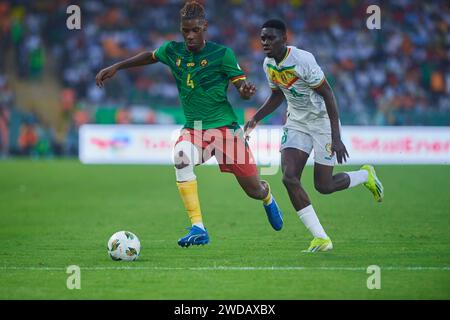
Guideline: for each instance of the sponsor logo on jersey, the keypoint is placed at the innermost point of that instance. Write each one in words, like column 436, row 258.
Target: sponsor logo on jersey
column 190, row 64
column 204, row 62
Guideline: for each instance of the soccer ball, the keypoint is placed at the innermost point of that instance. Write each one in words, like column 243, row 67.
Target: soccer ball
column 124, row 245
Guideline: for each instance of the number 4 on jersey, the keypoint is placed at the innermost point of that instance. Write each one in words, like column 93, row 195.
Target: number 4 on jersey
column 190, row 83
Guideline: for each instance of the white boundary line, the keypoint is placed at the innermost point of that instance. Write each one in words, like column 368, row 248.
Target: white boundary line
column 231, row 268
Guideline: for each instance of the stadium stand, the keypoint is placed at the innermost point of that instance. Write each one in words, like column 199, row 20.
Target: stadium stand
column 399, row 75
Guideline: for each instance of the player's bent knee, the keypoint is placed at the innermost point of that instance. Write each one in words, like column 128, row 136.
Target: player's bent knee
column 183, row 163
column 324, row 188
column 185, row 157
column 185, row 153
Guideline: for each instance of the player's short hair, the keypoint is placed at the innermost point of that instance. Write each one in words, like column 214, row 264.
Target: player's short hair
column 275, row 24
column 192, row 10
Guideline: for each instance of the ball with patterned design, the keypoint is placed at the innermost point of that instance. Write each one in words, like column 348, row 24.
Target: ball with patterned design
column 124, row 246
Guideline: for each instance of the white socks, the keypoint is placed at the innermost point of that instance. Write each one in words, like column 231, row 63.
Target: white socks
column 311, row 222
column 357, row 177
column 200, row 225
column 309, row 216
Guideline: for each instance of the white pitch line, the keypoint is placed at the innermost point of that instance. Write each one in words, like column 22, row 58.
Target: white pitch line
column 232, row 268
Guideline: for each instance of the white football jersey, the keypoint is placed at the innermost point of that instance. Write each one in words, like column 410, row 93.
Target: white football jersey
column 297, row 75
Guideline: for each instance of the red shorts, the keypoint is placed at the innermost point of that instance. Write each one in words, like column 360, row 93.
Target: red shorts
column 227, row 145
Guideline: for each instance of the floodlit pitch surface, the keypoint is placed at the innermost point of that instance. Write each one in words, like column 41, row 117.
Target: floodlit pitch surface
column 60, row 213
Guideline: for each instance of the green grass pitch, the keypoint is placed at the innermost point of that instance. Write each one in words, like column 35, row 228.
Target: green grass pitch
column 60, row 213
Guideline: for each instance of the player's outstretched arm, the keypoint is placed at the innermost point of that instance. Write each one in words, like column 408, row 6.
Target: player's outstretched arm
column 140, row 59
column 337, row 146
column 271, row 104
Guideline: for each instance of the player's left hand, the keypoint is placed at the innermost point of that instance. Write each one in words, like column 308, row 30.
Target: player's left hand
column 247, row 90
column 338, row 148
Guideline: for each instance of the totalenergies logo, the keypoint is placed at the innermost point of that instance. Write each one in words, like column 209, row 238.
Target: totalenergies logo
column 118, row 141
column 404, row 145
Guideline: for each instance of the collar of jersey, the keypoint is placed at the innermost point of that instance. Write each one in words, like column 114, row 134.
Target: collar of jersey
column 190, row 52
column 288, row 51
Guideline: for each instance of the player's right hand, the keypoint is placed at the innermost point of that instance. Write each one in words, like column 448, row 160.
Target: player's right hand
column 248, row 127
column 338, row 148
column 105, row 74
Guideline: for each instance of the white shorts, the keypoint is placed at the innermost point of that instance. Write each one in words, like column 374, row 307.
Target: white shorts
column 320, row 142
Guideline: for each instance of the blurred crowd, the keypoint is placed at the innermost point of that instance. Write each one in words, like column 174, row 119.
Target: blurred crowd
column 398, row 75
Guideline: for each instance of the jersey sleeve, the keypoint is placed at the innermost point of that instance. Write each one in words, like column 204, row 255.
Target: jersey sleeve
column 161, row 53
column 309, row 71
column 272, row 85
column 231, row 67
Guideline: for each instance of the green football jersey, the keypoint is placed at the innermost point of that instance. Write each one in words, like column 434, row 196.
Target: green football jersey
column 202, row 79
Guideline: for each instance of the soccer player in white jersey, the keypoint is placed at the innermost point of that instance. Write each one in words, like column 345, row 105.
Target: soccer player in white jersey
column 312, row 124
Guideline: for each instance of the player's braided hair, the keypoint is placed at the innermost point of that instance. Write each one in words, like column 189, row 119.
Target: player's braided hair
column 192, row 10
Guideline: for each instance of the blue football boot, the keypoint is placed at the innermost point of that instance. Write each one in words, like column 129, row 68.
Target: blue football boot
column 274, row 215
column 196, row 236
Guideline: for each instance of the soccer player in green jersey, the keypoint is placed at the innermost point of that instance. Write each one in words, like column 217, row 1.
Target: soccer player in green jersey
column 202, row 71
column 312, row 123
